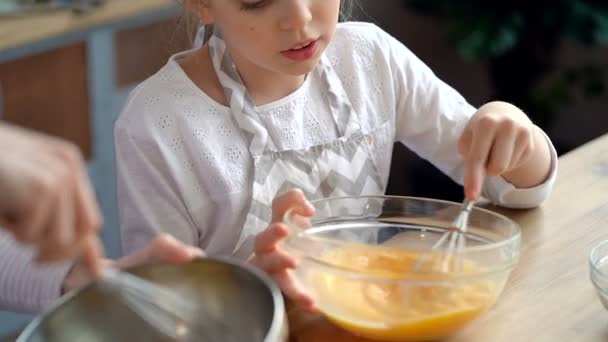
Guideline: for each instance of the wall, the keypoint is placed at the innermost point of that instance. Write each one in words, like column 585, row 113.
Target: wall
column 426, row 37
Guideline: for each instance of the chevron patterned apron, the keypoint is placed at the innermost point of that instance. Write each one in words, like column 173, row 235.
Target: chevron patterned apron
column 344, row 167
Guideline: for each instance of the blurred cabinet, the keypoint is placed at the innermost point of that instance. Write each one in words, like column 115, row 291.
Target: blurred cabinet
column 141, row 51
column 58, row 71
column 48, row 92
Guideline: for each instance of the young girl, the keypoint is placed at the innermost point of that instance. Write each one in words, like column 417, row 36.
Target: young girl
column 282, row 97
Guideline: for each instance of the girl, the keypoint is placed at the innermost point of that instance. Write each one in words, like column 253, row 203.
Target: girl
column 282, row 97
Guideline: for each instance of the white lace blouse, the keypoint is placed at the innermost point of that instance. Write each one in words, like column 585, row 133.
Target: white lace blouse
column 184, row 167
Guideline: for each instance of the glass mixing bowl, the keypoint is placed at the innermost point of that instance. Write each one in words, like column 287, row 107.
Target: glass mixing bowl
column 369, row 263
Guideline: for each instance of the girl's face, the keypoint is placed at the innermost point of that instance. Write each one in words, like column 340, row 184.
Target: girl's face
column 280, row 36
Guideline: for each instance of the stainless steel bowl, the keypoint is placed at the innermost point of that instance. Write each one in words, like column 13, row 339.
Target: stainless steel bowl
column 250, row 303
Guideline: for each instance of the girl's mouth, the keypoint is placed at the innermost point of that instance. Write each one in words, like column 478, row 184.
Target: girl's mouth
column 302, row 52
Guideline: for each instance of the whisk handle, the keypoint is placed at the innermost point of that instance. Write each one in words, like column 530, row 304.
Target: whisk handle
column 467, row 205
column 462, row 220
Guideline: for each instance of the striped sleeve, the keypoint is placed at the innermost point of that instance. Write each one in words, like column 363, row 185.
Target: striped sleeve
column 25, row 286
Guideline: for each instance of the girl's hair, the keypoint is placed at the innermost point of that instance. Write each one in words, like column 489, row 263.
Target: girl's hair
column 348, row 9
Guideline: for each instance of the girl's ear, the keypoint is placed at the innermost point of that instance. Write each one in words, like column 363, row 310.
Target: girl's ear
column 201, row 9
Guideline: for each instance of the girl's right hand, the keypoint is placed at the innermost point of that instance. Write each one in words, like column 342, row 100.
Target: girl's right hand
column 270, row 257
column 46, row 199
column 164, row 248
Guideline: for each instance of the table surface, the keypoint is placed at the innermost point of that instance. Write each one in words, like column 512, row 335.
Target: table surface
column 23, row 30
column 549, row 296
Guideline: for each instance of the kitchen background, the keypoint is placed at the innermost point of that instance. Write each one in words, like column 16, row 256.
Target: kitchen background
column 68, row 72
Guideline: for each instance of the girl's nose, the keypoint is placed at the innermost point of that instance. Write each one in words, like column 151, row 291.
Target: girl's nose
column 297, row 14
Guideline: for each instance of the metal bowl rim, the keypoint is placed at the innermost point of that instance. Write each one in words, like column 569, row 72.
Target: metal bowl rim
column 274, row 332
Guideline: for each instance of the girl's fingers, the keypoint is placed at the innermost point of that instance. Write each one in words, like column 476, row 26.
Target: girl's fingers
column 525, row 145
column 276, row 261
column 267, row 240
column 473, row 179
column 475, row 162
column 464, row 143
column 500, row 158
column 293, row 289
column 164, row 248
column 293, row 199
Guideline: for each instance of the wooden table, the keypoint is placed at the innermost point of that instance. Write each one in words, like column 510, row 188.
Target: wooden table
column 549, row 296
column 19, row 31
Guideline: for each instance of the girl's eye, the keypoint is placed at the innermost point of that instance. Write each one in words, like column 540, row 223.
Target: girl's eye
column 249, row 6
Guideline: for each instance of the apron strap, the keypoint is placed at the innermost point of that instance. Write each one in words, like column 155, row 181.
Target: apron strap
column 243, row 107
column 345, row 116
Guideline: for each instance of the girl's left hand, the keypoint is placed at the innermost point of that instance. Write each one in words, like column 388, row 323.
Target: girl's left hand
column 498, row 139
column 270, row 257
column 164, row 248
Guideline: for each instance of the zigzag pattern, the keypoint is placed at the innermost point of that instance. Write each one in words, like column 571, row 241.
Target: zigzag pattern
column 236, row 93
column 334, row 185
column 364, row 180
column 343, row 151
column 345, row 167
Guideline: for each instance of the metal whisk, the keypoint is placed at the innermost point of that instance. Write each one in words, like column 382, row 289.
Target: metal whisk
column 166, row 310
column 455, row 239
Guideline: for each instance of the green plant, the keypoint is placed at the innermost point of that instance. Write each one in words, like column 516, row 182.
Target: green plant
column 520, row 41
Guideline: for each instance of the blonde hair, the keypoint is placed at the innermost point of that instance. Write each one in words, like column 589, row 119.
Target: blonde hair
column 191, row 23
column 348, row 9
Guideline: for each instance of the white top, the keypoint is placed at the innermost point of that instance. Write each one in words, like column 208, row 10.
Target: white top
column 184, row 168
